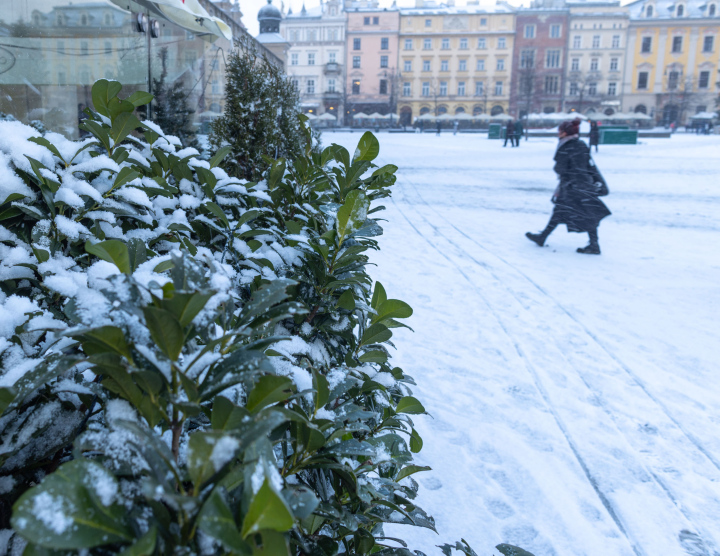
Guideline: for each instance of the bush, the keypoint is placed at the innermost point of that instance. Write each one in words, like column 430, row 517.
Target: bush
column 194, row 363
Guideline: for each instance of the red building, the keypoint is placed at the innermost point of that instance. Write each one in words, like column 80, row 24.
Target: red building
column 537, row 81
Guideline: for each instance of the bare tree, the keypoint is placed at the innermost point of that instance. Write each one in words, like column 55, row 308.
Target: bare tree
column 681, row 94
column 583, row 89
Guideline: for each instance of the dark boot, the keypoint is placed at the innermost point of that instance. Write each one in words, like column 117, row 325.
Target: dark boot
column 537, row 238
column 590, row 249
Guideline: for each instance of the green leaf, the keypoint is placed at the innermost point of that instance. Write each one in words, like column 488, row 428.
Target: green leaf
column 392, row 309
column 207, row 453
column 352, row 215
column 346, row 300
column 73, row 508
column 13, row 196
column 125, row 175
column 375, row 356
column 117, row 106
column 113, row 251
column 123, row 125
column 376, row 334
column 267, row 510
column 165, row 330
column 368, row 148
column 145, row 545
column 226, row 415
column 186, row 306
column 102, row 91
column 48, row 145
column 216, row 520
column 220, row 155
column 416, row 442
column 276, row 173
column 410, row 405
column 410, row 470
column 140, row 98
column 98, row 130
column 269, row 389
column 137, row 253
column 164, row 266
column 510, row 550
column 379, row 296
column 105, row 339
column 218, row 212
column 302, row 501
column 322, row 389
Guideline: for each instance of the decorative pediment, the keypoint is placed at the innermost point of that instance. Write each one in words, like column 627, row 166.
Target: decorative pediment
column 645, row 66
column 456, row 22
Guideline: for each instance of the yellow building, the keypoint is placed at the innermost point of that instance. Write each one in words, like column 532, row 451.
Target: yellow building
column 673, row 58
column 455, row 59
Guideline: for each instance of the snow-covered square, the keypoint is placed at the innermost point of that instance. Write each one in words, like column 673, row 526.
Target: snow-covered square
column 575, row 399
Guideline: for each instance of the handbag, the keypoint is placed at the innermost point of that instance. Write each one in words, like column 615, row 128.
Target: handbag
column 601, row 187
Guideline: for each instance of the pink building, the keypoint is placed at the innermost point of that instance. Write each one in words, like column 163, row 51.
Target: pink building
column 372, row 53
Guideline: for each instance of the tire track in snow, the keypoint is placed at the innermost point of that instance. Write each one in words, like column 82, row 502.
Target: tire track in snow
column 667, row 490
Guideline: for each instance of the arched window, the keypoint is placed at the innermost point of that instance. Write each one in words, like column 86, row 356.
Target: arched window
column 108, row 20
column 497, row 109
column 477, row 109
column 459, row 110
column 649, row 11
column 680, row 10
column 441, row 110
column 424, row 110
column 640, row 109
column 83, row 20
column 609, row 111
column 712, row 10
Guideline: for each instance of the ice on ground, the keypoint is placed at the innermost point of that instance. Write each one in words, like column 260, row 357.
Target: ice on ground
column 574, row 398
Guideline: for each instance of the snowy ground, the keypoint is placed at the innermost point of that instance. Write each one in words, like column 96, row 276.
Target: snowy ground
column 575, row 399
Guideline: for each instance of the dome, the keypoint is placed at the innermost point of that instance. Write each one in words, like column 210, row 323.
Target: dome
column 269, row 17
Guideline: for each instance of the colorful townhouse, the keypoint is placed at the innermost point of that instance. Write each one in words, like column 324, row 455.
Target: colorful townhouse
column 455, row 59
column 673, row 58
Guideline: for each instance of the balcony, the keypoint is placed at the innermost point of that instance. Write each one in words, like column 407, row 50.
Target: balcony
column 332, row 68
column 332, row 95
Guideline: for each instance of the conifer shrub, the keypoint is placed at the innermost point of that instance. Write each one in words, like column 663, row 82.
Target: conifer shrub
column 194, row 363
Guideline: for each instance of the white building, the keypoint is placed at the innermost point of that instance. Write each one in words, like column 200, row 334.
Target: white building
column 315, row 60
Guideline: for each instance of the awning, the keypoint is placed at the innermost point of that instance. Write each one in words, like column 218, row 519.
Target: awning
column 188, row 14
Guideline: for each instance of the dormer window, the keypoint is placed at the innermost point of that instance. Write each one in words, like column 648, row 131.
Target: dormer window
column 680, row 10
column 649, row 11
column 712, row 10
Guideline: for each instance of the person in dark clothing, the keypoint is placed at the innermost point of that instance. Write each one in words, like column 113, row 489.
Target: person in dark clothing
column 576, row 198
column 439, row 126
column 509, row 134
column 518, row 132
column 594, row 135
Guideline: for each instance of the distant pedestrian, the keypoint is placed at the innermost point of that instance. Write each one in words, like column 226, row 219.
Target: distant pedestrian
column 594, row 136
column 576, row 198
column 672, row 128
column 509, row 134
column 455, row 127
column 439, row 126
column 518, row 132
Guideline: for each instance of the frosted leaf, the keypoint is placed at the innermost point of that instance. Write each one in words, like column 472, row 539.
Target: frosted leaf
column 223, row 451
column 52, row 512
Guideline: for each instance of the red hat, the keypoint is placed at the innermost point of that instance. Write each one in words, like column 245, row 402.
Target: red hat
column 570, row 127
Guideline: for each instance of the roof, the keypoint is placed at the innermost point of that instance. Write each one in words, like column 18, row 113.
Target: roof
column 665, row 9
column 271, row 38
column 443, row 9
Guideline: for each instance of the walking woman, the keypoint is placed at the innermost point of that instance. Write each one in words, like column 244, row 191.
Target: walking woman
column 576, row 198
column 594, row 135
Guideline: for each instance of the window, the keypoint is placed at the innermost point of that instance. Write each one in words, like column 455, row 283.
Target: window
column 480, row 65
column 445, row 44
column 700, row 108
column 646, row 45
column 84, row 46
column 383, row 86
column 331, row 57
column 295, row 84
column 575, row 64
column 356, row 44
column 294, row 36
column 294, row 59
column 592, row 89
column 311, row 58
column 407, row 90
column 332, row 34
column 376, row 20
column 427, row 44
column 383, row 61
column 444, row 65
column 332, row 11
column 555, row 31
column 479, row 88
column 463, row 44
column 462, row 65
column 481, row 43
column 704, row 80
column 83, row 20
column 108, row 47
column 594, row 64
column 331, row 85
column 501, row 42
column 426, row 65
column 711, row 10
column 311, row 86
column 407, row 65
column 649, row 11
column 596, row 41
column 680, row 10
column 552, row 59
column 483, row 21
column 311, row 34
column 498, row 88
column 551, row 84
column 408, row 44
column 527, row 59
column 61, row 47
column 426, row 89
column 573, row 89
column 108, row 20
column 613, row 64
column 577, row 41
column 428, row 23
column 384, row 43
column 642, row 80
column 356, row 62
column 500, row 64
column 708, row 43
column 677, row 44
column 443, row 88
column 616, row 41
column 356, row 87
column 61, row 78
column 461, row 88
column 366, row 21
column 529, row 32
column 612, row 89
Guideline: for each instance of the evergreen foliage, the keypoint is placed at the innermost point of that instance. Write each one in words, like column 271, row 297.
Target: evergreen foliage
column 260, row 117
column 194, row 363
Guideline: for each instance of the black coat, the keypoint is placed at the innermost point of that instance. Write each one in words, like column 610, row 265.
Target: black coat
column 594, row 135
column 577, row 203
column 519, row 128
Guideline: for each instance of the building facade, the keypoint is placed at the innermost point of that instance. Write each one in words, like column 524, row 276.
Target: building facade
column 315, row 59
column 538, row 68
column 596, row 56
column 455, row 59
column 673, row 58
column 372, row 77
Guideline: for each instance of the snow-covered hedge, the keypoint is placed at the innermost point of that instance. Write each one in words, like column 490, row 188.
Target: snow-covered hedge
column 192, row 363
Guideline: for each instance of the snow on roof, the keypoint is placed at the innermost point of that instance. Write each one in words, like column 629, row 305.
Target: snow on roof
column 667, row 9
column 443, row 9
